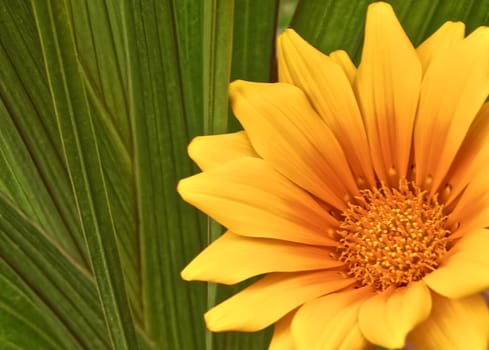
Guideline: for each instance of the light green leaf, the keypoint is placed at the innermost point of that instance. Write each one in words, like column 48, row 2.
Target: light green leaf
column 217, row 46
column 170, row 232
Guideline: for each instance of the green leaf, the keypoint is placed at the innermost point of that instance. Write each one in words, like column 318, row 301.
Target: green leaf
column 217, row 47
column 253, row 56
column 170, row 232
column 255, row 26
column 421, row 18
column 98, row 101
column 103, row 72
column 331, row 25
column 34, row 269
column 82, row 140
column 31, row 168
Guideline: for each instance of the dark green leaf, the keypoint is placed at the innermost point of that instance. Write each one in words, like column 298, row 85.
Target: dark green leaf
column 34, row 269
column 331, row 25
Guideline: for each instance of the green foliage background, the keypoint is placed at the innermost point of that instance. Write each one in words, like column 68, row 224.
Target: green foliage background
column 98, row 100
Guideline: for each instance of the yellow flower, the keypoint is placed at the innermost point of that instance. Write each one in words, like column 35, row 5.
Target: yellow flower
column 360, row 194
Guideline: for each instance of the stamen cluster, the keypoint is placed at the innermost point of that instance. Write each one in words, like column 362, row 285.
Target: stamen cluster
column 391, row 237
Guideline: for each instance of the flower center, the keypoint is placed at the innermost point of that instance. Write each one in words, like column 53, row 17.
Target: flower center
column 392, row 237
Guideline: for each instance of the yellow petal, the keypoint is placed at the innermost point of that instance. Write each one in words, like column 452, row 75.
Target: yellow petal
column 387, row 318
column 269, row 299
column 472, row 156
column 471, row 211
column 460, row 324
column 286, row 131
column 327, row 86
column 282, row 335
column 284, row 74
column 440, row 42
column 465, row 269
column 330, row 322
column 252, row 199
column 454, row 88
column 211, row 151
column 233, row 258
column 341, row 57
column 387, row 84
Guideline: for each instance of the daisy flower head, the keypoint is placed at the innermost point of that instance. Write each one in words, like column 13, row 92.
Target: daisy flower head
column 360, row 195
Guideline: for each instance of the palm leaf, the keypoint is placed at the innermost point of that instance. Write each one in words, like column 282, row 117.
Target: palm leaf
column 98, row 100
